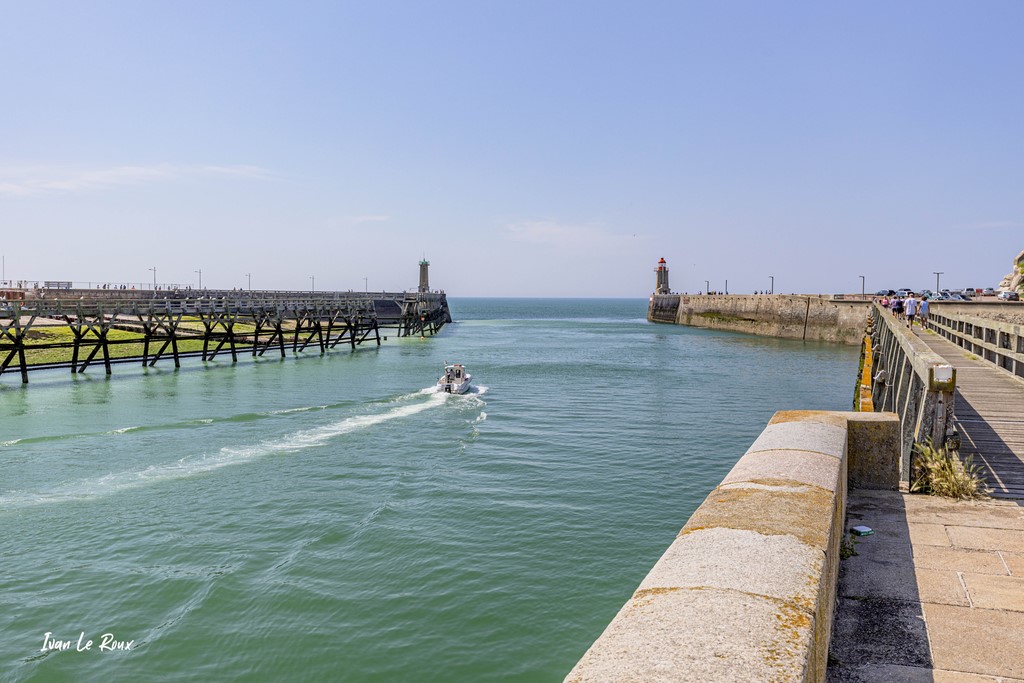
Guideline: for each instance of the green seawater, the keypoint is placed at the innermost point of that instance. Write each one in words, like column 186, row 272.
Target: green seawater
column 330, row 518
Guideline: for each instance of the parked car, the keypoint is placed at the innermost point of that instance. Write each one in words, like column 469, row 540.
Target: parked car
column 989, row 291
column 1009, row 296
column 943, row 297
column 968, row 291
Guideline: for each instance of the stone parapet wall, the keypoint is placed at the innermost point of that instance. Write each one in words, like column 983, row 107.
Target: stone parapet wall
column 747, row 589
column 815, row 318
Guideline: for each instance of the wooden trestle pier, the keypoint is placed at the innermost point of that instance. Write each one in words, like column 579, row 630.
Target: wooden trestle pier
column 200, row 324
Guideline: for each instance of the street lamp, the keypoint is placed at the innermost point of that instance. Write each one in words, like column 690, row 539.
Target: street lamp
column 707, row 286
column 200, row 271
column 154, row 277
column 312, row 284
column 726, row 286
column 862, row 285
column 366, row 285
column 937, row 274
column 249, row 275
column 772, row 278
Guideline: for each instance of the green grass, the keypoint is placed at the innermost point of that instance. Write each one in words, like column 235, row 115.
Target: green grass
column 939, row 472
column 125, row 343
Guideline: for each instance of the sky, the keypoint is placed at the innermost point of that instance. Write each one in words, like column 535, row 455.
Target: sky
column 523, row 147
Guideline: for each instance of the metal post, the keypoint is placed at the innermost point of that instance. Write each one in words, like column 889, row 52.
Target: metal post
column 936, row 274
column 707, row 287
column 772, row 277
column 200, row 271
column 249, row 275
column 154, row 277
column 862, row 285
column 312, row 284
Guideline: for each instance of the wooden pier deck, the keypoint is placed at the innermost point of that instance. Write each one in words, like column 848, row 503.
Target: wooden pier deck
column 989, row 409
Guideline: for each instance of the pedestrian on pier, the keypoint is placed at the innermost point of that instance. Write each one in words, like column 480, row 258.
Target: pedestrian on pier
column 910, row 307
column 897, row 308
column 922, row 313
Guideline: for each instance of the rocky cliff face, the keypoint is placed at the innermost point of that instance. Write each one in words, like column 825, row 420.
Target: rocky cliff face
column 1014, row 281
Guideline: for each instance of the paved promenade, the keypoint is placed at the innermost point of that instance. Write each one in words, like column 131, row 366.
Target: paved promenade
column 935, row 594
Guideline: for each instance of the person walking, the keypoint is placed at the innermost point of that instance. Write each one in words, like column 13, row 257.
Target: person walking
column 922, row 313
column 910, row 308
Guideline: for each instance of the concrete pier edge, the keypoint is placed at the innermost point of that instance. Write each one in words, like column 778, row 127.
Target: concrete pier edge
column 747, row 589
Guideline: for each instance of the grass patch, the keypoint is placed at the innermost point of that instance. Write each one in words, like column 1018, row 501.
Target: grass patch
column 58, row 342
column 847, row 547
column 939, row 472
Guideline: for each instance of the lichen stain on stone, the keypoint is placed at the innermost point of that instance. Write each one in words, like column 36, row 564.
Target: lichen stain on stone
column 793, row 623
column 821, row 416
column 773, row 513
column 644, row 597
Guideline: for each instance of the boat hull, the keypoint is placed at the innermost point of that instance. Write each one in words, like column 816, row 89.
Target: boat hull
column 454, row 387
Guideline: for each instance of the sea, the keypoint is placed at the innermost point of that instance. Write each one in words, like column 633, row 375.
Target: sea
column 333, row 518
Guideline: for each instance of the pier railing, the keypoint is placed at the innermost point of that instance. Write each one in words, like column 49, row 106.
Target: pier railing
column 997, row 337
column 912, row 381
column 111, row 326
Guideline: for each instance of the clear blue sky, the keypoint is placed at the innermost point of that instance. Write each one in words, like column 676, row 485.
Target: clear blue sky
column 526, row 148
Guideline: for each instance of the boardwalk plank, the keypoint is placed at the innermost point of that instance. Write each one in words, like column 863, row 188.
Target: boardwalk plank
column 989, row 409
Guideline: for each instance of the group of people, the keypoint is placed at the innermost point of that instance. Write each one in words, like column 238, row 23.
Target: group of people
column 908, row 308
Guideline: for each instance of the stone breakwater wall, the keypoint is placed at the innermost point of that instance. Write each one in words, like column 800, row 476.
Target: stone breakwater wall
column 747, row 589
column 790, row 316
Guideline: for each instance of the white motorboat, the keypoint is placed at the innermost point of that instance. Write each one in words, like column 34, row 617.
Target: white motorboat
column 455, row 379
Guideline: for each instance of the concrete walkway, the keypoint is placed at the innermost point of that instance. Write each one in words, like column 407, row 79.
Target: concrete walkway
column 935, row 594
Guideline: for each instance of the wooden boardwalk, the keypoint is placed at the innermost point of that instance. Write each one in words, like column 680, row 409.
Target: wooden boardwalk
column 989, row 416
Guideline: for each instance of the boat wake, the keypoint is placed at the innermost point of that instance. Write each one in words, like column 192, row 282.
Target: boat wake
column 189, row 466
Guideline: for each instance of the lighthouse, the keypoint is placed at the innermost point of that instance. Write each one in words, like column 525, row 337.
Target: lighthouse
column 662, row 283
column 424, row 279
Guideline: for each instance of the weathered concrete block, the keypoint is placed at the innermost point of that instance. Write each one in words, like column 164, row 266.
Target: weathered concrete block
column 700, row 635
column 720, row 558
column 803, row 512
column 804, row 467
column 804, row 435
column 874, row 461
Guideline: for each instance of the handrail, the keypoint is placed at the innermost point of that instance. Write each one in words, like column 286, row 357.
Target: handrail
column 913, row 381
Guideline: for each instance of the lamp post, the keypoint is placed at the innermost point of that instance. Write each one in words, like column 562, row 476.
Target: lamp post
column 772, row 278
column 707, row 287
column 726, row 286
column 154, row 277
column 862, row 285
column 312, row 284
column 366, row 285
column 249, row 276
column 937, row 274
column 200, row 271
